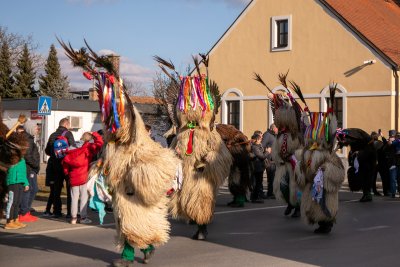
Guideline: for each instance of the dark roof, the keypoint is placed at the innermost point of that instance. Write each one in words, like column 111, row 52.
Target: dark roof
column 376, row 20
column 68, row 105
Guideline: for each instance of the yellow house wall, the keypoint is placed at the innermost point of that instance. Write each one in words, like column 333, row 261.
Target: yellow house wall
column 370, row 113
column 323, row 50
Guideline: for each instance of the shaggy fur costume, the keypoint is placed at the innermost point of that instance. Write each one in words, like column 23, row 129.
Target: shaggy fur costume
column 316, row 161
column 206, row 161
column 204, row 170
column 139, row 179
column 239, row 147
column 138, row 170
column 333, row 172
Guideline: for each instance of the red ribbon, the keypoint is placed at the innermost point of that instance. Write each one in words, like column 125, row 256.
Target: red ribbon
column 330, row 110
column 189, row 149
column 88, row 75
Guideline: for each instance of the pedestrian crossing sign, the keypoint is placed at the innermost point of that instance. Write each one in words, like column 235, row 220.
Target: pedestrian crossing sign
column 44, row 105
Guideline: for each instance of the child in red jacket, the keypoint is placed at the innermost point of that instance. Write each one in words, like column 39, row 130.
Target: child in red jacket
column 76, row 167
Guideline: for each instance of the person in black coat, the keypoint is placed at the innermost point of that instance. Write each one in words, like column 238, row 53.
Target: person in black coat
column 259, row 166
column 54, row 172
column 32, row 159
column 362, row 160
column 267, row 141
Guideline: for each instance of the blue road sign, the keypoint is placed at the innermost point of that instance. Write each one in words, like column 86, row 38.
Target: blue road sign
column 44, row 105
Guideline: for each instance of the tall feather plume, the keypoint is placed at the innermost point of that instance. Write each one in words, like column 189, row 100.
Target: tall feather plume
column 282, row 79
column 167, row 64
column 101, row 61
column 196, row 64
column 214, row 90
column 296, row 88
column 205, row 59
column 79, row 58
column 258, row 78
column 332, row 92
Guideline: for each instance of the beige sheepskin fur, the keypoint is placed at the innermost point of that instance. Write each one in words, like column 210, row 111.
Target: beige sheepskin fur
column 283, row 167
column 139, row 172
column 333, row 173
column 204, row 170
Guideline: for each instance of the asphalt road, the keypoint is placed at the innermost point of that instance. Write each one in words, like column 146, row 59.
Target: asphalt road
column 366, row 234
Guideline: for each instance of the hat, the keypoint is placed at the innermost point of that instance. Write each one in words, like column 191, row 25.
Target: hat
column 392, row 132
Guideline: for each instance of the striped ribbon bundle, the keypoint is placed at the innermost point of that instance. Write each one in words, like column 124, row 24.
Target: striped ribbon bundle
column 194, row 92
column 319, row 127
column 111, row 99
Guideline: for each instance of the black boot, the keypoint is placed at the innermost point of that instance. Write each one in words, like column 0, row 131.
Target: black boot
column 201, row 233
column 296, row 212
column 366, row 197
column 324, row 228
column 288, row 209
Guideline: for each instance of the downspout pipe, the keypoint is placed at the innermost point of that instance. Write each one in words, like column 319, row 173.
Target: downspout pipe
column 396, row 101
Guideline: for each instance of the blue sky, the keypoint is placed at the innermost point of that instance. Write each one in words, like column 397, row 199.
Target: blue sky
column 135, row 29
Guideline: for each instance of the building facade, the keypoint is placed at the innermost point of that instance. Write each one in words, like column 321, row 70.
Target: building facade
column 355, row 44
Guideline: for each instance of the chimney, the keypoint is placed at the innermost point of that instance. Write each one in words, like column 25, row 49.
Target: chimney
column 115, row 61
column 93, row 95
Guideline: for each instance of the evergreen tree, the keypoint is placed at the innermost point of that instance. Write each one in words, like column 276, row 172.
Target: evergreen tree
column 6, row 79
column 53, row 83
column 25, row 76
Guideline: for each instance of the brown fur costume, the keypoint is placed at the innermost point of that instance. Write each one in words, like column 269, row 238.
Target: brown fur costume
column 139, row 171
column 203, row 172
column 239, row 147
column 287, row 114
column 205, row 169
column 318, row 157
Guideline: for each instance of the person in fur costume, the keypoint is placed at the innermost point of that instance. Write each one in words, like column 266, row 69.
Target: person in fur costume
column 206, row 161
column 287, row 115
column 13, row 147
column 362, row 160
column 319, row 171
column 138, row 170
column 240, row 173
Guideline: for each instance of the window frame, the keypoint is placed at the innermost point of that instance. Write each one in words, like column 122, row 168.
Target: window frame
column 275, row 31
column 233, row 114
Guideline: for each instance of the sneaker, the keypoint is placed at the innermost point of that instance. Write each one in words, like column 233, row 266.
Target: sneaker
column 11, row 226
column 27, row 217
column 47, row 214
column 20, row 224
column 86, row 221
column 73, row 220
column 68, row 216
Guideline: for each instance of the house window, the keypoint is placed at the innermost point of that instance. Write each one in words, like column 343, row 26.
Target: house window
column 233, row 113
column 281, row 33
column 338, row 110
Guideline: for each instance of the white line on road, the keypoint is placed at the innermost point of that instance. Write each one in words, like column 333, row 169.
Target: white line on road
column 59, row 230
column 373, row 228
column 245, row 210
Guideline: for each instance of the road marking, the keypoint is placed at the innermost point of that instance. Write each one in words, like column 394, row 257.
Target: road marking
column 306, row 238
column 246, row 210
column 245, row 233
column 58, row 230
column 373, row 228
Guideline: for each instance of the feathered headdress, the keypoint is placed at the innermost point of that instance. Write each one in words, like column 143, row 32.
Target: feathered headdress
column 323, row 125
column 113, row 99
column 282, row 100
column 190, row 92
